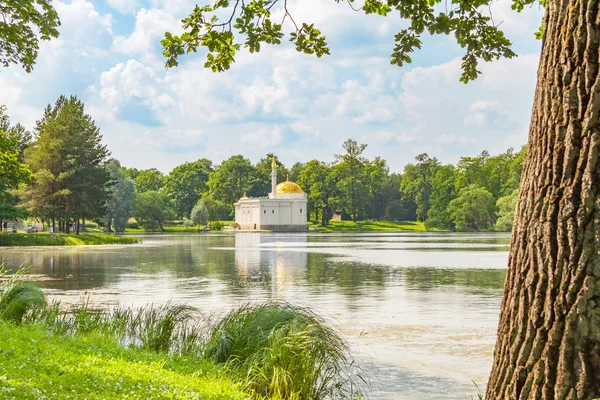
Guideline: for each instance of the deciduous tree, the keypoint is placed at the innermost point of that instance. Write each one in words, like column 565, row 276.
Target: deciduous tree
column 317, row 182
column 416, row 183
column 443, row 191
column 12, row 173
column 506, row 211
column 121, row 195
column 186, row 184
column 199, row 215
column 152, row 209
column 473, row 209
column 148, row 179
column 23, row 23
column 350, row 168
column 548, row 343
column 234, row 177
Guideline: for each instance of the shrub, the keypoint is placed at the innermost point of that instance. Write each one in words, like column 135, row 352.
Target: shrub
column 199, row 215
column 159, row 328
column 217, row 226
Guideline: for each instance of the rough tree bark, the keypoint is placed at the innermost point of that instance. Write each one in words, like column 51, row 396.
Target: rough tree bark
column 549, row 333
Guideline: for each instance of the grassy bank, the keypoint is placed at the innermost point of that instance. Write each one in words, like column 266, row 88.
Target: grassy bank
column 267, row 351
column 44, row 239
column 170, row 227
column 370, row 226
column 38, row 364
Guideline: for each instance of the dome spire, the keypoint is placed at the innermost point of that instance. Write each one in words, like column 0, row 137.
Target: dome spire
column 274, row 176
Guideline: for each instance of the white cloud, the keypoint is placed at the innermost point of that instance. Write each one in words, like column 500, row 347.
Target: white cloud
column 479, row 111
column 124, row 6
column 297, row 105
column 385, row 137
column 451, row 139
column 305, row 130
column 150, row 27
column 81, row 23
column 133, row 80
column 460, row 118
column 265, row 138
column 370, row 103
column 62, row 64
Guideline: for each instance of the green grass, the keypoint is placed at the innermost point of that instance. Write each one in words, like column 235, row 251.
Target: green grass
column 37, row 364
column 370, row 226
column 18, row 297
column 44, row 239
column 178, row 228
column 284, row 352
column 268, row 351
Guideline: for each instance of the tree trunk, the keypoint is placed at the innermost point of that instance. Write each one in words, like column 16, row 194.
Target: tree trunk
column 549, row 333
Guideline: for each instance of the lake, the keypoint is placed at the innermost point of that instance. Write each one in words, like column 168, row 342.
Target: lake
column 420, row 310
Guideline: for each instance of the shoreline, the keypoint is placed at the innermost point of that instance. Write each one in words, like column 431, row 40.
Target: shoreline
column 43, row 240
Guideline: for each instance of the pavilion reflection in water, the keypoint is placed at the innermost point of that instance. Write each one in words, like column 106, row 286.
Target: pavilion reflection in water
column 283, row 258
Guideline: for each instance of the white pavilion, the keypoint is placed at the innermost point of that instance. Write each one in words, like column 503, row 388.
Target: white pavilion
column 284, row 209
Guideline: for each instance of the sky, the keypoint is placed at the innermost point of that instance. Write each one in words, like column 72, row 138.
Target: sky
column 294, row 105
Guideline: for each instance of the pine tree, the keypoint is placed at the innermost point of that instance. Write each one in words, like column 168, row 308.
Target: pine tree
column 67, row 160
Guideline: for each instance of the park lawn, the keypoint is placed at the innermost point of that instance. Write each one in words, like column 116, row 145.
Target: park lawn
column 44, row 239
column 36, row 364
column 178, row 228
column 371, row 226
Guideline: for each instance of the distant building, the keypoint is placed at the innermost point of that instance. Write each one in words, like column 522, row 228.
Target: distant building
column 284, row 209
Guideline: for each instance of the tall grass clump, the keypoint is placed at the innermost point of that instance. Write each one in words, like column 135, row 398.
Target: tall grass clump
column 161, row 328
column 18, row 297
column 274, row 350
column 284, row 352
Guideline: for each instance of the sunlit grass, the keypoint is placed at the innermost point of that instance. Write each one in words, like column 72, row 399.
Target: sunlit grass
column 265, row 351
column 18, row 297
column 179, row 227
column 36, row 364
column 284, row 352
column 370, row 226
column 44, row 239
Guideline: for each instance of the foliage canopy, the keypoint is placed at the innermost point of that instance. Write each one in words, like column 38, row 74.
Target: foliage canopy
column 225, row 26
column 23, row 23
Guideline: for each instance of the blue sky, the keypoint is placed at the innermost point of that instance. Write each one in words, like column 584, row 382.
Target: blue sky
column 279, row 101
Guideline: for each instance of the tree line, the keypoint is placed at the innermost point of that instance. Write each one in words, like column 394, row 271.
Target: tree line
column 61, row 173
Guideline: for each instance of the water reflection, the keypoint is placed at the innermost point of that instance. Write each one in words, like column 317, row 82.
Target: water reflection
column 421, row 307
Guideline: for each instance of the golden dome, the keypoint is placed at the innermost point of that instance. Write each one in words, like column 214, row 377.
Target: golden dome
column 288, row 187
column 245, row 197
